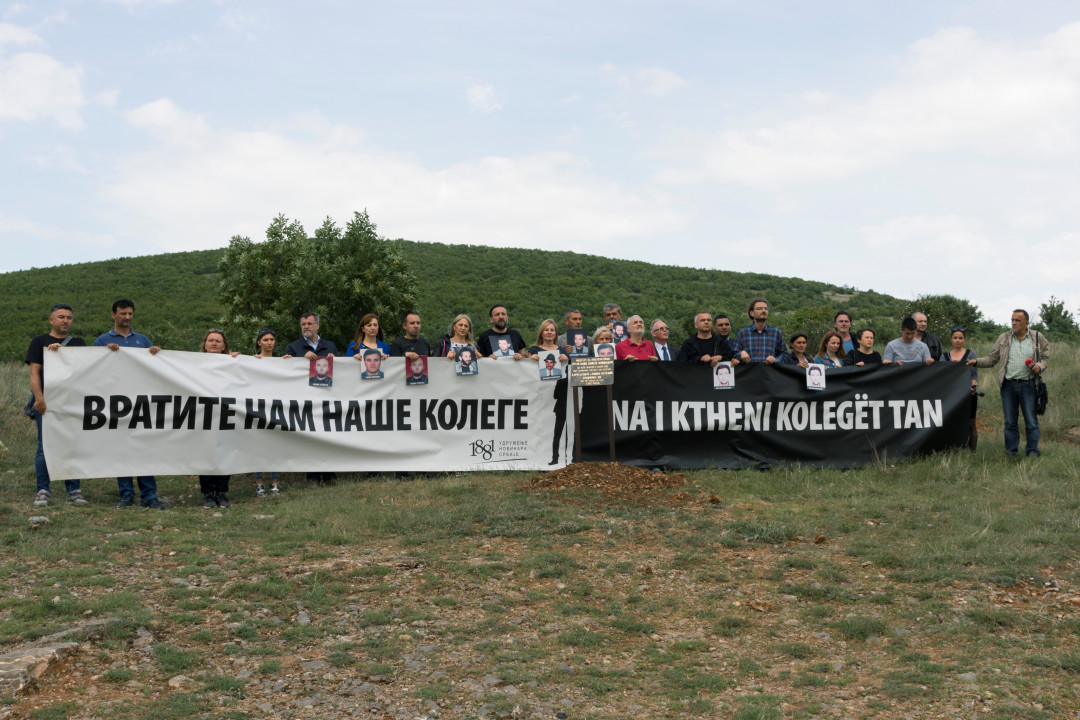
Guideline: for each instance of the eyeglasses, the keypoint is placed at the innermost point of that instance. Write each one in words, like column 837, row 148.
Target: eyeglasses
column 959, row 329
column 658, row 329
column 265, row 331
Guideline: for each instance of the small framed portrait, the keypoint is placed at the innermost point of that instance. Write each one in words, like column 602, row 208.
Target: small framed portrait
column 604, row 350
column 723, row 378
column 466, row 361
column 501, row 346
column 372, row 365
column 416, row 371
column 578, row 340
column 549, row 366
column 815, row 377
column 321, row 372
column 618, row 331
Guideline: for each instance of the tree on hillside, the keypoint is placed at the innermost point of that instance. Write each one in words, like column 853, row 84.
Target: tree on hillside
column 944, row 312
column 1056, row 321
column 338, row 274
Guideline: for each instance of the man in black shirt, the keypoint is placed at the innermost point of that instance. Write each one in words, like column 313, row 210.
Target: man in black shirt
column 412, row 344
column 933, row 342
column 60, row 319
column 499, row 318
column 704, row 346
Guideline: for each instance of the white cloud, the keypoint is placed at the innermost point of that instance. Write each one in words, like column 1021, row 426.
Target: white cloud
column 238, row 20
column 647, row 81
column 170, row 123
column 35, row 86
column 958, row 240
column 482, row 99
column 15, row 9
column 107, row 98
column 198, row 186
column 15, row 35
column 22, row 229
column 952, row 91
column 657, row 81
column 1059, row 258
column 62, row 157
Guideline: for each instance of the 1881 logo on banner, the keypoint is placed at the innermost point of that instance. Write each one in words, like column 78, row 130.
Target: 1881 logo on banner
column 482, row 449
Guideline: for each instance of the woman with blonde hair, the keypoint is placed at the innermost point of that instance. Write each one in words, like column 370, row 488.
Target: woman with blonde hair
column 459, row 336
column 546, row 337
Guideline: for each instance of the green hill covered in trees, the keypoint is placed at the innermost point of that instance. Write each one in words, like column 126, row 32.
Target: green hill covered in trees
column 176, row 294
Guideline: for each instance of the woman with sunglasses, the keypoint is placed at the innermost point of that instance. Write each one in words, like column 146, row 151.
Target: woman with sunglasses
column 961, row 354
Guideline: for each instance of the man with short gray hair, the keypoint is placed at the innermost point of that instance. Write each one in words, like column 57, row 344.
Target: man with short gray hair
column 310, row 345
column 932, row 341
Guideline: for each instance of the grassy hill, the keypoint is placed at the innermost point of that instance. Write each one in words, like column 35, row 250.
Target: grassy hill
column 176, row 294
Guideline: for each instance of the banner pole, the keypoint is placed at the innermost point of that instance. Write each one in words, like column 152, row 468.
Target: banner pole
column 610, row 425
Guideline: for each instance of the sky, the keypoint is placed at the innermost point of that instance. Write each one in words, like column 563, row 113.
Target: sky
column 909, row 148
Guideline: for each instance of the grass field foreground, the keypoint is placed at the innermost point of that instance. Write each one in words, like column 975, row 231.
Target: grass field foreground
column 943, row 587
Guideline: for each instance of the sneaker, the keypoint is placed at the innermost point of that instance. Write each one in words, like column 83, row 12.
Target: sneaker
column 41, row 499
column 208, row 501
column 275, row 490
column 223, row 501
column 260, row 490
column 76, row 498
column 153, row 504
column 125, row 501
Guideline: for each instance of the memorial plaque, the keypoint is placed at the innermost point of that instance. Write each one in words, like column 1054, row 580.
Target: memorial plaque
column 592, row 371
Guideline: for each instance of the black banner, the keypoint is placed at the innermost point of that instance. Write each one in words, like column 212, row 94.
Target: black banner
column 669, row 415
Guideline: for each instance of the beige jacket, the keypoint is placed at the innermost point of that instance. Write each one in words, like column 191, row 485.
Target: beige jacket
column 1000, row 351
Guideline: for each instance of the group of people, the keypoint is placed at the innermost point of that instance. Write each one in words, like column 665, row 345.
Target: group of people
column 1022, row 354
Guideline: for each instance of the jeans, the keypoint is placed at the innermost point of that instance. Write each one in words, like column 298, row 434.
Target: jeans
column 273, row 477
column 147, row 488
column 1020, row 396
column 41, row 470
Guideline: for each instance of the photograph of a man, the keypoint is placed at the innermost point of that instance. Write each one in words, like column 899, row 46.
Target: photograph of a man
column 417, row 371
column 548, row 370
column 578, row 341
column 723, row 378
column 321, row 372
column 372, row 365
column 503, row 346
column 605, row 350
column 466, row 361
column 618, row 331
column 815, row 377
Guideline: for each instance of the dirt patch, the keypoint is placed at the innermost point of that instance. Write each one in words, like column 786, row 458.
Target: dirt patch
column 1073, row 435
column 622, row 482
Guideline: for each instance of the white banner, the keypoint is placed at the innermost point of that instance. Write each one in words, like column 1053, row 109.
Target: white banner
column 180, row 413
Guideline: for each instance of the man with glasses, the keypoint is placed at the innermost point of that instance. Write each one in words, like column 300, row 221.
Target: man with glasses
column 60, row 319
column 760, row 341
column 660, row 333
column 310, row 345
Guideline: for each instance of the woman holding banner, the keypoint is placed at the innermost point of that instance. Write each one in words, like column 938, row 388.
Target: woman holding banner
column 368, row 336
column 831, row 352
column 961, row 354
column 460, row 336
column 265, row 342
column 215, row 487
